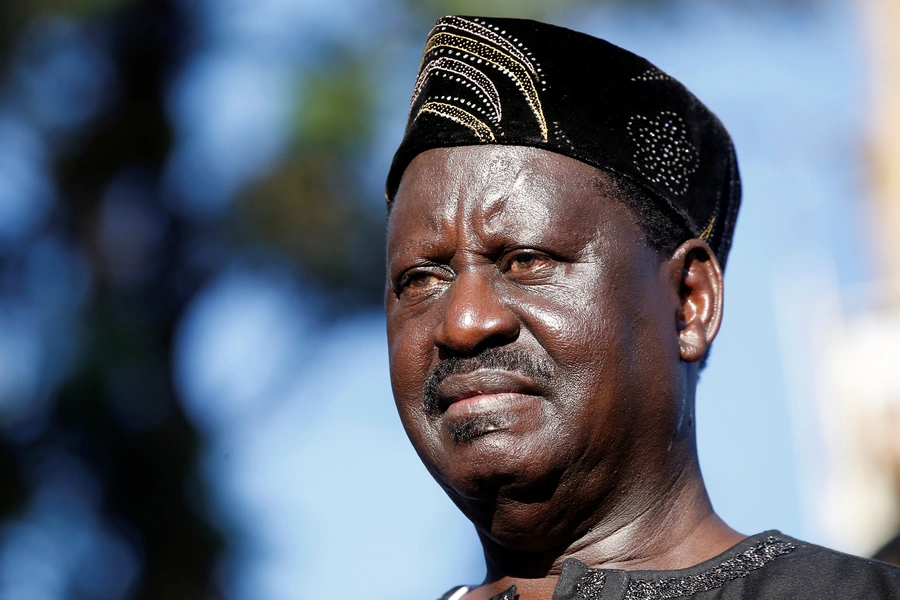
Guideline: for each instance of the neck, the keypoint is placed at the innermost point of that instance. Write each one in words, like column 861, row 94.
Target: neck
column 673, row 528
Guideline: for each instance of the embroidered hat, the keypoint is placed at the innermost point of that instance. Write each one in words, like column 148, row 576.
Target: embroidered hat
column 520, row 82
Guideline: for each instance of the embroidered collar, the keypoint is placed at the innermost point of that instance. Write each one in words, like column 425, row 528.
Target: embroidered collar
column 579, row 582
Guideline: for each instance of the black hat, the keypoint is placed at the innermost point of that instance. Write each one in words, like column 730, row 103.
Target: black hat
column 519, row 82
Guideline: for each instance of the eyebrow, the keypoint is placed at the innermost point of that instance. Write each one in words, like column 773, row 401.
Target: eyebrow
column 419, row 246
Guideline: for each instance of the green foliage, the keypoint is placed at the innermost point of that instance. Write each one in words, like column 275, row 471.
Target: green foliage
column 526, row 9
column 431, row 10
column 79, row 7
column 310, row 209
column 334, row 108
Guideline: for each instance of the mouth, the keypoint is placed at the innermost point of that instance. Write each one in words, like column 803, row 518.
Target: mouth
column 484, row 389
column 484, row 401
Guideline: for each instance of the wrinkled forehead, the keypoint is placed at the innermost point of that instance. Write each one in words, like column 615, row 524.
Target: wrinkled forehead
column 515, row 191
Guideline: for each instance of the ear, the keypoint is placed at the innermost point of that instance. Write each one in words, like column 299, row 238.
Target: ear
column 701, row 296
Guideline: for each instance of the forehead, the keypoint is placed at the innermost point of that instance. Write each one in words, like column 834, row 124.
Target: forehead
column 514, row 190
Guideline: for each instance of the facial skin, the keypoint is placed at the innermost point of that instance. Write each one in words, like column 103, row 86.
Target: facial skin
column 543, row 358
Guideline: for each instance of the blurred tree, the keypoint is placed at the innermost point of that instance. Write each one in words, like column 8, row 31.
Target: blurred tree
column 313, row 205
column 118, row 411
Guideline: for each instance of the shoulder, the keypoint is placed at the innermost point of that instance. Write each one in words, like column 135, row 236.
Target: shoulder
column 811, row 571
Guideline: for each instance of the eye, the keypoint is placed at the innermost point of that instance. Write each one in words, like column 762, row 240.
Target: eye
column 526, row 261
column 523, row 262
column 418, row 281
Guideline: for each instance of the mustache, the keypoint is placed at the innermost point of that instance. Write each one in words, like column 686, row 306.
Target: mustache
column 493, row 358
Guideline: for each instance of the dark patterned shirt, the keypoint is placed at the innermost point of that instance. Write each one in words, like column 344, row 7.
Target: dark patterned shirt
column 769, row 566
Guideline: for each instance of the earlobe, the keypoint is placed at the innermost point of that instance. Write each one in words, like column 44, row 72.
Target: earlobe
column 700, row 298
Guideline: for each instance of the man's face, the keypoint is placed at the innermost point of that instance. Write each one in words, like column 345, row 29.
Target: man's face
column 532, row 335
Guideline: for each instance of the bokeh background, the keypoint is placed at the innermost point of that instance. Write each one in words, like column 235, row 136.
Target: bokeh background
column 194, row 401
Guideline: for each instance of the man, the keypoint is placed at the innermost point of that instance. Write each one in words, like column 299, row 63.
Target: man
column 560, row 212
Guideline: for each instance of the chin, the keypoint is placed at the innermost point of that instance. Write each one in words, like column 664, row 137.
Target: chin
column 533, row 526
column 466, row 431
column 523, row 492
column 495, row 472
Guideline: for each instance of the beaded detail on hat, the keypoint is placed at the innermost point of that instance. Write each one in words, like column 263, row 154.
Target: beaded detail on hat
column 663, row 153
column 472, row 55
column 652, row 74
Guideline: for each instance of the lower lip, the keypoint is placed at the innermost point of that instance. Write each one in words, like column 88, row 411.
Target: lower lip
column 485, row 404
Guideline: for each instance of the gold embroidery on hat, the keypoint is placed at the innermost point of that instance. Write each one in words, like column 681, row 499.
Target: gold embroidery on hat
column 708, row 231
column 484, row 86
column 505, row 63
column 454, row 113
column 485, row 33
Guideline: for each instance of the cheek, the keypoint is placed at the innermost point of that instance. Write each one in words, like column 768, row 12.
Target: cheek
column 577, row 324
column 409, row 353
column 593, row 334
column 577, row 334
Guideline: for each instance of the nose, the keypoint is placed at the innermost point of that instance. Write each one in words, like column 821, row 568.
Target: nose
column 475, row 317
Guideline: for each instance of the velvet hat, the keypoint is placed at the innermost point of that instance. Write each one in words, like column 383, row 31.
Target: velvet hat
column 519, row 82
